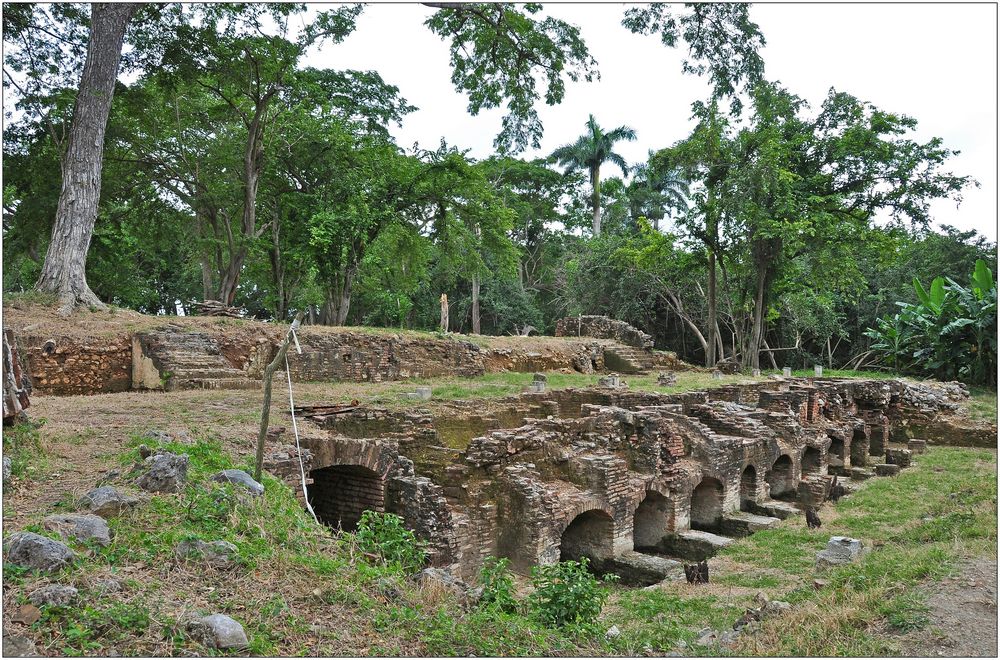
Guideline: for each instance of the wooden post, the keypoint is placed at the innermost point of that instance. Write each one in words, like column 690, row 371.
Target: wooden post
column 444, row 313
column 268, row 377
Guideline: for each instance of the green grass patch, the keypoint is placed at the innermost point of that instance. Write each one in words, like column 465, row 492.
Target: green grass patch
column 22, row 443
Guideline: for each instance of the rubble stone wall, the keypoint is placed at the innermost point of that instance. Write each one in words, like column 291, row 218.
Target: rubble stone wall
column 65, row 366
column 603, row 327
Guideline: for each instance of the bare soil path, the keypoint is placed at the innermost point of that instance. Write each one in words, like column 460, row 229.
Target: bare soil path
column 963, row 614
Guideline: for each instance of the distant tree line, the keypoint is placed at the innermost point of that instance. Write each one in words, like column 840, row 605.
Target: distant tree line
column 774, row 234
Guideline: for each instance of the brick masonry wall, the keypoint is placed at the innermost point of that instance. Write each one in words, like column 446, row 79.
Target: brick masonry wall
column 340, row 494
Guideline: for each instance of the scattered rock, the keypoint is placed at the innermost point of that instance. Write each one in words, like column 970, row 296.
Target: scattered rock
column 7, row 466
column 839, row 550
column 107, row 502
column 165, row 473
column 707, row 636
column 729, row 636
column 539, row 378
column 436, row 578
column 218, row 554
column 917, row 446
column 389, row 588
column 18, row 646
column 775, row 608
column 613, row 632
column 218, row 631
column 35, row 551
column 106, row 586
column 240, row 478
column 819, row 584
column 26, row 614
column 53, row 595
column 886, row 470
column 82, row 527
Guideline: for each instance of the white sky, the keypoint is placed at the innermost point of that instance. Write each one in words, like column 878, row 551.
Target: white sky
column 934, row 62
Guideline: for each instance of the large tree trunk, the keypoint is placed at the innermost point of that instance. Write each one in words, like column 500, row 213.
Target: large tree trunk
column 338, row 299
column 595, row 198
column 713, row 328
column 64, row 270
column 475, row 305
column 758, row 317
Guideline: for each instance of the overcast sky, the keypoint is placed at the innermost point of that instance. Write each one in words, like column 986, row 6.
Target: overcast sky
column 934, row 62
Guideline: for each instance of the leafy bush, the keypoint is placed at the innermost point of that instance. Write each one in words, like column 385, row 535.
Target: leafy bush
column 566, row 594
column 950, row 334
column 498, row 585
column 383, row 534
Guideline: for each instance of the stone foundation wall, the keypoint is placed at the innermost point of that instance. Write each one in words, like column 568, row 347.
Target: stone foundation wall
column 603, row 327
column 64, row 366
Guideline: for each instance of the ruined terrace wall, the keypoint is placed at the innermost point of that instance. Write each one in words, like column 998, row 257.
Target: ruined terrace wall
column 603, row 327
column 67, row 365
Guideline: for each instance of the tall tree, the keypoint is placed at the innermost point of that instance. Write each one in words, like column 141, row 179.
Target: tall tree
column 64, row 270
column 589, row 152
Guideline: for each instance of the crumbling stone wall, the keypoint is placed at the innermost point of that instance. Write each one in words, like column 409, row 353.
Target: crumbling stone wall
column 603, row 327
column 64, row 365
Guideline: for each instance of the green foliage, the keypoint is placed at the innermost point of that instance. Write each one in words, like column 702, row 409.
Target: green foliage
column 383, row 534
column 950, row 333
column 22, row 443
column 497, row 583
column 566, row 594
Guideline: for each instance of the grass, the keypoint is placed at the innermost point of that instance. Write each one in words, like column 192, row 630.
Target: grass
column 982, row 406
column 22, row 443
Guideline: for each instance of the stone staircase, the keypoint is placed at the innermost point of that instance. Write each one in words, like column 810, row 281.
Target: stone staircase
column 182, row 360
column 627, row 359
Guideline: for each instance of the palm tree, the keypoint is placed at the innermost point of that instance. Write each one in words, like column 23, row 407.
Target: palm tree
column 592, row 150
column 655, row 190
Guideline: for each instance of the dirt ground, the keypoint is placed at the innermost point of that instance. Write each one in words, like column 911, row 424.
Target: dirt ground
column 963, row 612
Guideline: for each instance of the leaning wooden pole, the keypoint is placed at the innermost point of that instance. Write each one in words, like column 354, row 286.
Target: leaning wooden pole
column 268, row 377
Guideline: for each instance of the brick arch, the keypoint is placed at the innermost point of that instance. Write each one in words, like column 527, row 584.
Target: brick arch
column 378, row 456
column 349, row 477
column 590, row 534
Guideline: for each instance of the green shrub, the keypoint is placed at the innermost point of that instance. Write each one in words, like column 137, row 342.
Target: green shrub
column 566, row 594
column 383, row 534
column 498, row 585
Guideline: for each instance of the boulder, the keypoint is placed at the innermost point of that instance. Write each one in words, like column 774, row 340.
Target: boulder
column 218, row 631
column 81, row 527
column 774, row 608
column 218, row 554
column 164, row 473
column 901, row 457
column 107, row 502
column 53, row 595
column 240, row 478
column 917, row 446
column 34, row 551
column 18, row 646
column 839, row 550
column 7, row 467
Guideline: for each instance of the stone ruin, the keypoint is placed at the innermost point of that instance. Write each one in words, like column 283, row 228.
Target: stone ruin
column 631, row 480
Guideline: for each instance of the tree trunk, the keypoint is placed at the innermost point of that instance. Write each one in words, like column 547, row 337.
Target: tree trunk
column 713, row 328
column 595, row 198
column 64, row 270
column 475, row 305
column 758, row 318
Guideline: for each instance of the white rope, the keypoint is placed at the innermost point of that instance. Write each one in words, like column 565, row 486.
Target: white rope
column 295, row 429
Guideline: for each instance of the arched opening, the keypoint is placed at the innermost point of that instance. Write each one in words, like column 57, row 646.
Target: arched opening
column 706, row 505
column 650, row 521
column 590, row 535
column 779, row 477
column 859, row 448
column 811, row 460
column 748, row 488
column 341, row 493
column 835, row 455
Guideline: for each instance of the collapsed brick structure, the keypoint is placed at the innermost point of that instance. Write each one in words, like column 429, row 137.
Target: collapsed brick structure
column 612, row 475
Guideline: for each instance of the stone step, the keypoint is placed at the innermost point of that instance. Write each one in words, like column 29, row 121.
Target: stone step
column 744, row 524
column 641, row 570
column 218, row 384
column 207, row 373
column 693, row 544
column 775, row 509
